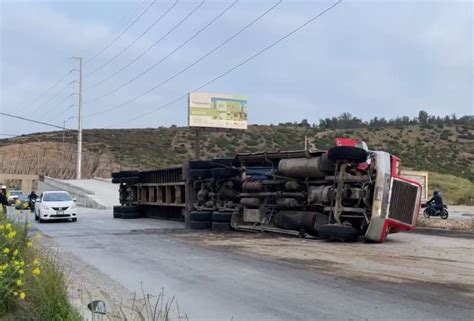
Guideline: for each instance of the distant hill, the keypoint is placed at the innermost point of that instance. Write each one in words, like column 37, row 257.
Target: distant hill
column 446, row 149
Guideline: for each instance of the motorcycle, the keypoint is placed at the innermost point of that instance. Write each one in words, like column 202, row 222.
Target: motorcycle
column 32, row 204
column 431, row 211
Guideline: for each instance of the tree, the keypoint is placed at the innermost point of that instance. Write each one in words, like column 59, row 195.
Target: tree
column 423, row 117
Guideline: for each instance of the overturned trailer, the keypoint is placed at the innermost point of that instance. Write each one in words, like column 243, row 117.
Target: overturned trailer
column 342, row 194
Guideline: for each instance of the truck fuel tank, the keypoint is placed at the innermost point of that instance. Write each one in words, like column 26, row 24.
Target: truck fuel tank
column 301, row 167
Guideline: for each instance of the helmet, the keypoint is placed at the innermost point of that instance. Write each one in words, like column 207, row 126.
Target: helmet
column 4, row 187
column 436, row 193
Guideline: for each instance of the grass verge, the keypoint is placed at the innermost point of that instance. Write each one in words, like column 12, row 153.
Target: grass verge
column 455, row 190
column 32, row 282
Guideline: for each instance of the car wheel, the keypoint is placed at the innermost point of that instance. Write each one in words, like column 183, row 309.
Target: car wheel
column 36, row 217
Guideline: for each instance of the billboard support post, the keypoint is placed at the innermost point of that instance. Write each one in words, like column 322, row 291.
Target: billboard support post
column 197, row 144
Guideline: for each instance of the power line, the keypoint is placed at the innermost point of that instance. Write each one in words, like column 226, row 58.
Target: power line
column 192, row 64
column 46, row 91
column 134, row 41
column 127, row 18
column 258, row 53
column 53, row 97
column 31, row 120
column 121, row 34
column 149, row 48
column 168, row 55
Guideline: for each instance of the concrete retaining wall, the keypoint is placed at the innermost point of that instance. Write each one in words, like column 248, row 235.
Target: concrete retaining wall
column 83, row 196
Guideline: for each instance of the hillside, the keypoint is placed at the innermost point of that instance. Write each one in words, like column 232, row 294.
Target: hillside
column 448, row 150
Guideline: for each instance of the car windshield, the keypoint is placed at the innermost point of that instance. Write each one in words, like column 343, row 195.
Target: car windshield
column 56, row 197
column 23, row 198
column 15, row 193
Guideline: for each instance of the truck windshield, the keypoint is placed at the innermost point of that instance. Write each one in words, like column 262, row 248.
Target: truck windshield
column 56, row 197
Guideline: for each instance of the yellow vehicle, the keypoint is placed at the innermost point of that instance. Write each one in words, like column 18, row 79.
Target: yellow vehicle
column 22, row 202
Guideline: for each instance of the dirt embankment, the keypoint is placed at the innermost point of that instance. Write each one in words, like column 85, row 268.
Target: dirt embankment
column 53, row 159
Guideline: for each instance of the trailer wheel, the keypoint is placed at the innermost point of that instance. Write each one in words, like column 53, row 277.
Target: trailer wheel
column 221, row 226
column 117, row 211
column 125, row 174
column 338, row 233
column 201, row 164
column 225, row 172
column 130, row 215
column 348, row 153
column 129, row 209
column 222, row 217
column 200, row 225
column 199, row 173
column 115, row 180
column 200, row 216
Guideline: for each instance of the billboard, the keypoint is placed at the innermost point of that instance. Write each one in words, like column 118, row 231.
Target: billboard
column 421, row 178
column 217, row 110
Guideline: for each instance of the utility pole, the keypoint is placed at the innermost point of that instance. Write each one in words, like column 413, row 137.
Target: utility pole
column 64, row 133
column 79, row 124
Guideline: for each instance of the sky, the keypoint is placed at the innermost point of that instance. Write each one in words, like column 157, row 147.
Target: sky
column 369, row 58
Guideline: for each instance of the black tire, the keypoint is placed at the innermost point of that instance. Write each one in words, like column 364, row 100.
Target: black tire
column 130, row 215
column 74, row 219
column 221, row 226
column 201, row 164
column 115, row 180
column 129, row 209
column 36, row 218
column 129, row 180
column 125, row 174
column 221, row 217
column 347, row 153
column 339, row 233
column 200, row 225
column 225, row 172
column 426, row 213
column 200, row 216
column 199, row 173
column 444, row 214
column 117, row 211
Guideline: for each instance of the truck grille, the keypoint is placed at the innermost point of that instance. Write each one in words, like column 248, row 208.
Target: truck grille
column 403, row 201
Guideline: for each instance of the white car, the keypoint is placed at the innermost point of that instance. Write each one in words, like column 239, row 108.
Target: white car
column 55, row 205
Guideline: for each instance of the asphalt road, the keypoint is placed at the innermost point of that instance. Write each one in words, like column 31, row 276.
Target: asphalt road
column 217, row 285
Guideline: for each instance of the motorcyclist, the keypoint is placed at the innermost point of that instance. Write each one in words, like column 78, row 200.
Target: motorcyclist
column 3, row 199
column 32, row 197
column 436, row 202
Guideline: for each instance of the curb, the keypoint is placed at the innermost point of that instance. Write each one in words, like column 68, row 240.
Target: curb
column 442, row 232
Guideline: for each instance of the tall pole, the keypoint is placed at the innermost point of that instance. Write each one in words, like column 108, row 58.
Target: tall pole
column 79, row 125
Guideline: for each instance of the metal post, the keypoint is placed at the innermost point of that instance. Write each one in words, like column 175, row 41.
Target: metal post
column 79, row 125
